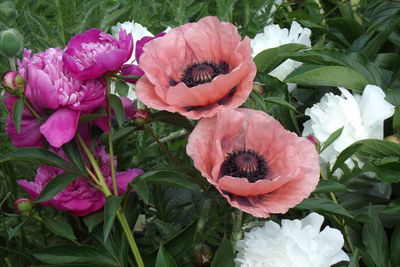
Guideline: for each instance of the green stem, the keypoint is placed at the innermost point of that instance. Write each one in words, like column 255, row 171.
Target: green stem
column 11, row 60
column 110, row 144
column 31, row 109
column 162, row 146
column 129, row 236
column 341, row 223
column 237, row 227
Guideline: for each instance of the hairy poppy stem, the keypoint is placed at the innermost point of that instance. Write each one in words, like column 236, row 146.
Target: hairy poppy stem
column 237, row 227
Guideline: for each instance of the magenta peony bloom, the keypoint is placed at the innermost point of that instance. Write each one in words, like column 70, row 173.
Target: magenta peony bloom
column 257, row 165
column 50, row 89
column 130, row 69
column 79, row 198
column 91, row 54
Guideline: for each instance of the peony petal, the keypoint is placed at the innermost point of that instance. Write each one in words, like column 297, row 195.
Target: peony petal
column 124, row 178
column 61, row 126
column 41, row 92
column 89, row 36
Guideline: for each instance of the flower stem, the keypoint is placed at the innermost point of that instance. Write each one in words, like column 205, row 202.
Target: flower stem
column 129, row 236
column 162, row 146
column 11, row 60
column 31, row 109
column 120, row 215
column 341, row 223
column 110, row 144
column 237, row 227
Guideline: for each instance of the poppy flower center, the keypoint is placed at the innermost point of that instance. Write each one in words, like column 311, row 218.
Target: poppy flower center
column 245, row 163
column 199, row 73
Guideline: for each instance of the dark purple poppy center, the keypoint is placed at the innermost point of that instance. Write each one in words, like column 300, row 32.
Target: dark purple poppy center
column 199, row 73
column 245, row 163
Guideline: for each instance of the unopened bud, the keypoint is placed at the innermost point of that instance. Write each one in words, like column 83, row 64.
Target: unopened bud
column 23, row 206
column 393, row 138
column 10, row 43
column 141, row 117
column 204, row 256
column 314, row 141
column 13, row 81
column 258, row 88
column 7, row 8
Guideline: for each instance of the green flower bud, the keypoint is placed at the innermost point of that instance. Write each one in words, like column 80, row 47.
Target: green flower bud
column 23, row 206
column 10, row 43
column 7, row 9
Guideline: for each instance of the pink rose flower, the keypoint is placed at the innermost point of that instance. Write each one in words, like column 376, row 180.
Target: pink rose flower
column 79, row 198
column 91, row 54
column 51, row 89
column 257, row 165
column 197, row 69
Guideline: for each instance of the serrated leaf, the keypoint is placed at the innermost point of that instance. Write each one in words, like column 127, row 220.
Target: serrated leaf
column 74, row 156
column 110, row 211
column 36, row 155
column 332, row 138
column 323, row 205
column 59, row 226
column 224, row 255
column 164, row 259
column 17, row 111
column 337, row 76
column 269, row 59
column 56, row 185
column 118, row 108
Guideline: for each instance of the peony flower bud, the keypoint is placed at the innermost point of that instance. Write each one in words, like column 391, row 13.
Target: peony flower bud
column 258, row 88
column 13, row 81
column 314, row 141
column 7, row 8
column 10, row 43
column 23, row 206
column 141, row 117
column 204, row 256
column 131, row 70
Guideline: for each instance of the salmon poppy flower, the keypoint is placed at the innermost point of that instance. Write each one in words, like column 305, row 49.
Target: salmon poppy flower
column 197, row 69
column 257, row 165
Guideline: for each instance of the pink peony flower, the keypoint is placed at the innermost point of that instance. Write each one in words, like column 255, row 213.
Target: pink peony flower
column 197, row 69
column 79, row 198
column 257, row 165
column 91, row 54
column 51, row 90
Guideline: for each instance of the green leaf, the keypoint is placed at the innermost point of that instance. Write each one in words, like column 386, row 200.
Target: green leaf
column 59, row 226
column 172, row 118
column 269, row 59
column 142, row 190
column 375, row 240
column 71, row 254
column 344, row 155
column 326, row 186
column 90, row 117
column 121, row 88
column 354, row 259
column 164, row 259
column 281, row 102
column 122, row 132
column 110, row 211
column 92, row 220
column 395, row 247
column 74, row 155
column 56, row 185
column 165, row 177
column 393, row 207
column 36, row 155
column 328, row 76
column 332, row 138
column 224, row 255
column 17, row 111
column 387, row 169
column 117, row 107
column 323, row 205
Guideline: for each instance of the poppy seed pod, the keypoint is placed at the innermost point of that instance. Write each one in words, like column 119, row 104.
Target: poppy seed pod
column 7, row 8
column 10, row 43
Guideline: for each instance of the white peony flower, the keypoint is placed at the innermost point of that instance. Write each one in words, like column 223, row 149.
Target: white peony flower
column 274, row 36
column 361, row 116
column 298, row 243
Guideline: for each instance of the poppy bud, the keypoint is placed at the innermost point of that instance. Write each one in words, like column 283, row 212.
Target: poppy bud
column 314, row 141
column 7, row 8
column 141, row 117
column 10, row 43
column 258, row 88
column 13, row 81
column 23, row 206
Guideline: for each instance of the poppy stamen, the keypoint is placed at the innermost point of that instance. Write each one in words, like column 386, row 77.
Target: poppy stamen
column 245, row 163
column 199, row 73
